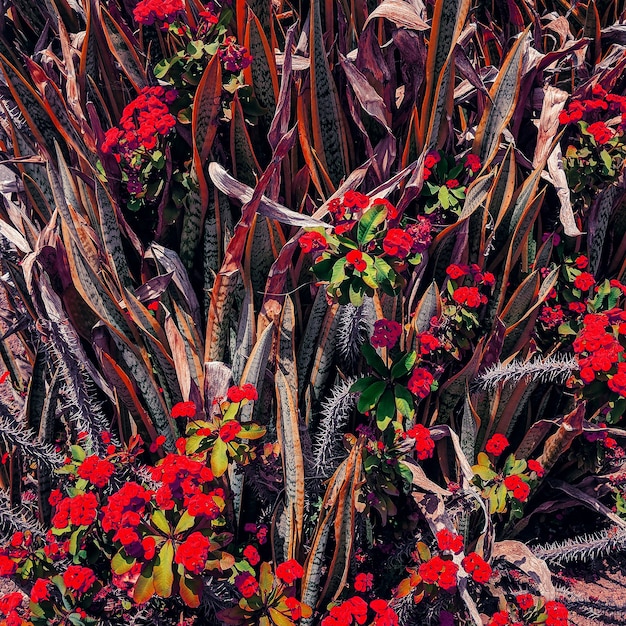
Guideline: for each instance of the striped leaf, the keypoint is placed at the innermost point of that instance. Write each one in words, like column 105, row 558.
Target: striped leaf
column 329, row 133
column 287, row 430
column 501, row 105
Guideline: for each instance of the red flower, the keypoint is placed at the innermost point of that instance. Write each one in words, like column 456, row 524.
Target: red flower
column 420, row 382
column 525, row 601
column 364, row 582
column 535, row 466
column 252, row 555
column 295, row 608
column 472, row 162
column 447, row 540
column 386, row 333
column 488, row 279
column 427, row 342
column 581, row 262
column 96, row 470
column 312, row 242
column 8, row 567
column 453, row 183
column 557, row 614
column 355, row 258
column 229, row 431
column 601, row 132
column 204, row 504
column 354, row 199
column 246, row 392
column 438, row 571
column 247, row 584
column 385, row 615
column 497, row 444
column 424, row 444
column 83, row 509
column 147, row 11
column 184, row 409
column 456, row 271
column 10, row 601
column 193, row 552
column 501, row 618
column 289, row 571
column 148, row 546
column 79, row 579
column 518, row 487
column 468, row 296
column 584, row 281
column 432, row 158
column 397, row 243
column 475, row 565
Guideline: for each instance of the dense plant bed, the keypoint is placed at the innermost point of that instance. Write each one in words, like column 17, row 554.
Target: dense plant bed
column 310, row 315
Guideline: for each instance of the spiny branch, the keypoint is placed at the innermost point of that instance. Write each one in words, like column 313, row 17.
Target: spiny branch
column 555, row 369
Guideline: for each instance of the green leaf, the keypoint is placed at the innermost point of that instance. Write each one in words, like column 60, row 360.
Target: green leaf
column 404, row 401
column 404, row 365
column 219, row 458
column 159, row 520
column 121, row 564
column 373, row 360
column 190, row 590
column 369, row 223
column 370, row 397
column 163, row 576
column 385, row 410
column 185, row 522
column 362, row 383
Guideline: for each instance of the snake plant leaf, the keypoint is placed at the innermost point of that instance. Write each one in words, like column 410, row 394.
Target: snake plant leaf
column 329, row 131
column 448, row 21
column 287, row 429
column 123, row 49
column 503, row 99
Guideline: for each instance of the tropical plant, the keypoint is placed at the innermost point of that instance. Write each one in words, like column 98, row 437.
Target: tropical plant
column 282, row 282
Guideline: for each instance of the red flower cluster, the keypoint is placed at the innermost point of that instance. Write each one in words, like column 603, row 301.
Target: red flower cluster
column 552, row 317
column 182, row 479
column 207, row 505
column 143, row 120
column 125, row 507
column 386, row 333
column 557, row 614
column 424, row 444
column 9, row 604
column 40, row 591
column 343, row 614
column 420, row 382
column 356, row 260
column 438, row 571
column 469, row 297
column 252, row 555
column 148, row 11
column 447, row 540
column 192, row 554
column 427, row 342
column 397, row 243
column 313, row 242
column 475, row 565
column 289, row 571
column 234, row 57
column 584, row 281
column 364, row 582
column 247, row 391
column 79, row 579
column 184, row 409
column 246, row 584
column 497, row 444
column 501, row 618
column 517, row 487
column 96, row 470
column 535, row 466
column 601, row 132
column 8, row 566
column 432, row 158
column 81, row 510
column 229, row 431
column 472, row 162
column 385, row 615
column 525, row 601
column 599, row 351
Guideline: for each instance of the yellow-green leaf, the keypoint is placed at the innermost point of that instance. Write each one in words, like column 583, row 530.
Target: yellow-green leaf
column 163, row 576
column 219, row 458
